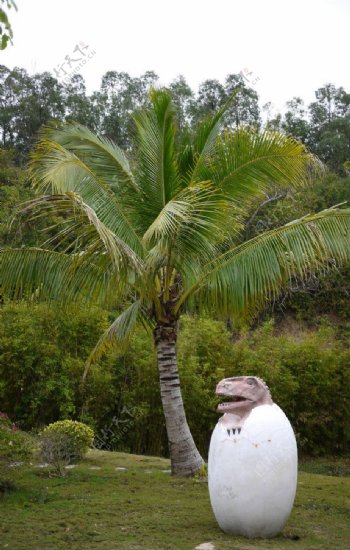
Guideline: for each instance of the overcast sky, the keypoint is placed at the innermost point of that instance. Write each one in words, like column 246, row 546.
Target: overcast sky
column 290, row 48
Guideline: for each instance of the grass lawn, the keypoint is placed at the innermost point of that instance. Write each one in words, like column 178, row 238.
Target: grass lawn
column 143, row 507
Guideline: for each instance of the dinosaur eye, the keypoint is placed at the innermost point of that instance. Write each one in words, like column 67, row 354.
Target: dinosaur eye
column 251, row 381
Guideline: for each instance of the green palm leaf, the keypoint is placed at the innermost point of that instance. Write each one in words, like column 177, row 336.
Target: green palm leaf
column 194, row 152
column 87, row 232
column 156, row 169
column 206, row 135
column 243, row 278
column 103, row 157
column 246, row 163
column 59, row 170
column 39, row 274
column 199, row 210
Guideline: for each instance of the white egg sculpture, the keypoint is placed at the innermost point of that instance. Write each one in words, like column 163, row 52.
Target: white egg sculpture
column 253, row 461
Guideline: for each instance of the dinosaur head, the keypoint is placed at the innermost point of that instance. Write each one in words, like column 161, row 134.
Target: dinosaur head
column 242, row 394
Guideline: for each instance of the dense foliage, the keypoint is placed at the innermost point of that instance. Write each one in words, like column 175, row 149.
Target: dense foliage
column 42, row 356
column 40, row 378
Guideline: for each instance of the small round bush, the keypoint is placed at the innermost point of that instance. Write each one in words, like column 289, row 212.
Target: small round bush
column 75, row 436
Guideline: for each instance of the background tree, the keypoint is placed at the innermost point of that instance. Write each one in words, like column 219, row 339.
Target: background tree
column 122, row 95
column 244, row 108
column 295, row 122
column 330, row 126
column 78, row 106
column 183, row 99
column 324, row 126
column 13, row 89
column 27, row 103
column 212, row 95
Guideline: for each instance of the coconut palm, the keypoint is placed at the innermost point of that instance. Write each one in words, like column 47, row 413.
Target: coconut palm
column 163, row 233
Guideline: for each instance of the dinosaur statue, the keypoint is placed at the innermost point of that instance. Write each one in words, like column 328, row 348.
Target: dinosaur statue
column 243, row 394
column 252, row 463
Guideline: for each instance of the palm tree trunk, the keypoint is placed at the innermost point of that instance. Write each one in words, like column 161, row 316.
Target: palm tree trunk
column 185, row 458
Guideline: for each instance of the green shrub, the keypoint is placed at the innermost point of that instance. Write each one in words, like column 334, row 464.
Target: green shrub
column 42, row 356
column 66, row 440
column 15, row 445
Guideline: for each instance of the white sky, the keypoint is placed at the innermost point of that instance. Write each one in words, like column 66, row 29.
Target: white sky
column 292, row 47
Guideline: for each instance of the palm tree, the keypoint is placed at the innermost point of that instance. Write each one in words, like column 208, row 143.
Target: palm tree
column 165, row 236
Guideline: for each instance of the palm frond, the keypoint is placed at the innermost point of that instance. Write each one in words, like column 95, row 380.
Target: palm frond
column 208, row 221
column 58, row 170
column 246, row 163
column 245, row 277
column 103, row 157
column 206, row 135
column 190, row 225
column 33, row 273
column 118, row 333
column 157, row 171
column 84, row 231
column 164, row 227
